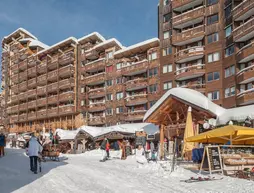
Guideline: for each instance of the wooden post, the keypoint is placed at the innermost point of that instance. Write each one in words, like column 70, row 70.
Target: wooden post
column 71, row 122
column 161, row 142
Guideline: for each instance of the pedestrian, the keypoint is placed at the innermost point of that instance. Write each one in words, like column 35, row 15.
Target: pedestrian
column 34, row 148
column 103, row 149
column 2, row 144
column 107, row 148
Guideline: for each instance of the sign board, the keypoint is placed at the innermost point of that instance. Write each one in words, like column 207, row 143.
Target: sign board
column 150, row 137
column 211, row 159
column 128, row 150
column 140, row 138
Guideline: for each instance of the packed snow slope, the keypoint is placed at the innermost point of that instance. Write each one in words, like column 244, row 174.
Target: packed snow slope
column 84, row 173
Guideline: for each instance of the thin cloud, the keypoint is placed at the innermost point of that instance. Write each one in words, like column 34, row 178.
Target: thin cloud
column 4, row 18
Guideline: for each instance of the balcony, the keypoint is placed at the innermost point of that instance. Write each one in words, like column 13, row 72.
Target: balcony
column 67, row 58
column 91, row 54
column 23, row 107
column 23, row 86
column 67, row 109
column 53, row 87
column 14, row 118
column 96, row 93
column 166, row 9
column 31, row 83
column 68, row 96
column 23, row 117
column 8, row 110
column 246, row 97
column 135, row 115
column 31, row 104
column 31, row 93
column 96, row 121
column 23, row 65
column 200, row 87
column 15, row 78
column 14, row 68
column 42, row 67
column 190, row 72
column 41, row 114
column 246, row 75
column 53, row 75
column 22, row 76
column 66, row 71
column 32, row 62
column 134, row 100
column 31, row 72
column 182, row 5
column 136, row 84
column 52, row 64
column 42, row 80
column 243, row 10
column 97, row 107
column 189, row 18
column 41, row 90
column 190, row 54
column 244, row 32
column 245, row 54
column 31, row 116
column 15, row 109
column 52, row 112
column 41, row 102
column 135, row 68
column 95, row 65
column 52, row 99
column 14, row 98
column 189, row 36
column 66, row 83
column 95, row 79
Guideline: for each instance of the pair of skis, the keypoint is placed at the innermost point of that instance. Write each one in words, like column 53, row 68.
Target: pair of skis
column 201, row 179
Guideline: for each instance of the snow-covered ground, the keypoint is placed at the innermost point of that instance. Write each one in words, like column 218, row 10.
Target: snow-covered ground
column 84, row 173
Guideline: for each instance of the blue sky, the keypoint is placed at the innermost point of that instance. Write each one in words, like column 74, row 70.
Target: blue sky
column 130, row 21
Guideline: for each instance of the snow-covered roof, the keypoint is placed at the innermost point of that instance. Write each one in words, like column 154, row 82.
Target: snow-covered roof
column 107, row 42
column 58, row 44
column 198, row 99
column 21, row 30
column 34, row 43
column 91, row 35
column 152, row 42
column 67, row 134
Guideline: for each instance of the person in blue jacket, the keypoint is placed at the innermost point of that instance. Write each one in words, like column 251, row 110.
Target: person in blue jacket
column 2, row 144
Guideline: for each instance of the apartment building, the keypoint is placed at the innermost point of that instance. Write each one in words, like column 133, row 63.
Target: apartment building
column 206, row 45
column 90, row 81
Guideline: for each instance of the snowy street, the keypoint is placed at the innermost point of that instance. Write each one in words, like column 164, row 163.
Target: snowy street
column 84, row 173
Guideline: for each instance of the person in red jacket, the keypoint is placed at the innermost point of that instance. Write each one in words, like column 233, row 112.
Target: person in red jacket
column 107, row 148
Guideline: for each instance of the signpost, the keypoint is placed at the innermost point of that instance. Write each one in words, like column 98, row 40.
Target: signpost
column 212, row 159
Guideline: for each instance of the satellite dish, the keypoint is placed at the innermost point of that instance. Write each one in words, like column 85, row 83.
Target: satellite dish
column 206, row 125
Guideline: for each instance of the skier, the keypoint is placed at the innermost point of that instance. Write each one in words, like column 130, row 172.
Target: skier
column 34, row 148
column 103, row 148
column 107, row 148
column 2, row 144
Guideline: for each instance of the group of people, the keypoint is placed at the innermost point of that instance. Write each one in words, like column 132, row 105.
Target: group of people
column 2, row 144
column 105, row 146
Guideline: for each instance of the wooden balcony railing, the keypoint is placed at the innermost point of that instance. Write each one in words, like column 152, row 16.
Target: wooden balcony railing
column 23, row 107
column 180, row 3
column 31, row 116
column 97, row 121
column 42, row 80
column 166, row 9
column 32, row 61
column 31, row 71
column 68, row 96
column 23, row 65
column 52, row 99
column 53, row 87
column 136, row 100
column 91, row 54
column 242, row 9
column 22, row 76
column 201, row 87
column 14, row 98
column 67, row 83
column 53, row 75
column 53, row 60
column 190, row 72
column 15, row 78
column 41, row 90
column 96, row 107
column 15, row 109
column 23, row 117
column 66, row 58
column 189, row 15
column 191, row 52
column 135, row 67
column 9, row 110
column 14, row 68
column 97, row 78
column 15, row 89
column 31, row 82
column 135, row 116
column 245, row 97
column 245, row 54
column 52, row 112
column 189, row 34
column 14, row 118
column 136, row 84
column 41, row 102
column 42, row 67
column 97, row 64
column 31, row 104
column 66, row 109
column 96, row 93
column 243, row 30
column 67, row 70
column 31, row 93
column 41, row 113
column 245, row 74
column 23, row 86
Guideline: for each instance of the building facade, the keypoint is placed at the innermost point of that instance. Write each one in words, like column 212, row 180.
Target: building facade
column 206, row 45
column 89, row 81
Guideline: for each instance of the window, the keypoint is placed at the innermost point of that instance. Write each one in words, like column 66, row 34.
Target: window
column 153, row 72
column 119, row 110
column 82, row 89
column 166, row 17
column 83, row 103
column 167, row 51
column 213, row 38
column 152, row 56
column 109, row 68
column 213, row 57
column 118, row 66
column 166, row 2
column 167, row 68
column 229, row 71
column 109, row 55
column 119, row 80
column 153, row 88
column 166, row 35
column 213, row 76
column 249, row 86
column 167, row 85
column 82, row 51
column 212, row 19
column 211, row 2
column 83, row 63
column 82, row 77
column 109, row 82
column 119, row 95
column 228, row 11
column 229, row 51
column 215, row 95
column 152, row 103
column 242, row 66
column 109, row 97
column 229, row 92
column 228, row 30
column 109, row 111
